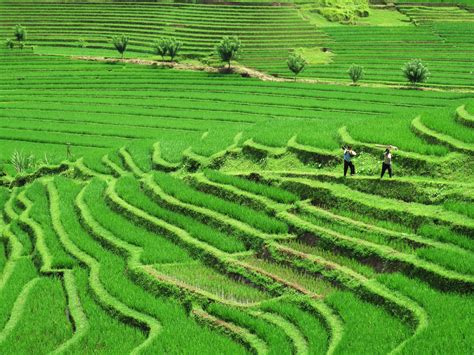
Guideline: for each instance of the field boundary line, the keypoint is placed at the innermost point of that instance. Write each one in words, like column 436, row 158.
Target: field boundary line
column 300, row 344
column 242, row 334
column 440, row 138
column 18, row 309
column 253, row 73
column 464, row 117
column 107, row 300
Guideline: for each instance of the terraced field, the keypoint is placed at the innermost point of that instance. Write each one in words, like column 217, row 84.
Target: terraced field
column 163, row 210
column 268, row 34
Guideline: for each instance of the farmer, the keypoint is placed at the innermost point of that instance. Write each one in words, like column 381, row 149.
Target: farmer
column 387, row 161
column 348, row 154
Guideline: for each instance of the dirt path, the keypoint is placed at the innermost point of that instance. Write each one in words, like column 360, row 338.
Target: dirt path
column 253, row 73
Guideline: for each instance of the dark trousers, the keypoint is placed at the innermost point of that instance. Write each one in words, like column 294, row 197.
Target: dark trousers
column 348, row 164
column 386, row 167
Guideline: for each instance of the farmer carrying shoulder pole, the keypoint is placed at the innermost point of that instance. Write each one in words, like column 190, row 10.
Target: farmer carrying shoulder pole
column 348, row 154
column 387, row 161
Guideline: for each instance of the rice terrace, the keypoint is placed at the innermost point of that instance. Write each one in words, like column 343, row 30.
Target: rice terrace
column 233, row 177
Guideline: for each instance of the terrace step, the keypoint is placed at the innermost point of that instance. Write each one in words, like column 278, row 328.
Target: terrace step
column 117, row 171
column 83, row 170
column 261, row 151
column 464, row 117
column 300, row 344
column 129, row 163
column 440, row 138
column 396, row 210
column 159, row 163
column 403, row 306
column 206, row 215
column 18, row 309
column 418, row 163
column 431, row 272
column 247, row 337
column 309, row 154
column 413, row 238
column 81, row 324
column 106, row 299
column 195, row 291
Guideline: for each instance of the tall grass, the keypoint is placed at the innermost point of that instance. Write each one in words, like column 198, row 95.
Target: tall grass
column 212, row 281
column 311, row 327
column 276, row 339
column 450, row 316
column 269, row 191
column 368, row 328
column 129, row 189
column 178, row 331
column 185, row 193
column 156, row 248
column 106, row 331
column 44, row 325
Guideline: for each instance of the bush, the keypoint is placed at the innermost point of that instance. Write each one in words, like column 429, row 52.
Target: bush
column 166, row 46
column 296, row 63
column 22, row 162
column 82, row 43
column 120, row 43
column 173, row 48
column 9, row 43
column 20, row 33
column 161, row 47
column 356, row 72
column 415, row 71
column 228, row 49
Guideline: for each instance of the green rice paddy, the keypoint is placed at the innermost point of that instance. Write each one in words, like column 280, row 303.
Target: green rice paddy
column 161, row 208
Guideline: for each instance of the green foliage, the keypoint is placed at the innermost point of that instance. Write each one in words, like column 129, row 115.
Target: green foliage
column 120, row 43
column 130, row 190
column 415, row 71
column 82, row 43
column 161, row 47
column 296, row 63
column 9, row 43
column 273, row 335
column 173, row 47
column 269, row 191
column 185, row 193
column 366, row 326
column 167, row 46
column 22, row 162
column 356, row 73
column 20, row 33
column 228, row 49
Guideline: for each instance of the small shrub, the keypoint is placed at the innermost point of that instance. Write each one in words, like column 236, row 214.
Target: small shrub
column 161, row 47
column 173, row 48
column 228, row 49
column 416, row 72
column 82, row 43
column 22, row 162
column 356, row 72
column 20, row 33
column 296, row 63
column 120, row 43
column 9, row 43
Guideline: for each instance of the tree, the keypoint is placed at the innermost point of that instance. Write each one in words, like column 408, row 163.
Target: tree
column 415, row 71
column 356, row 72
column 9, row 43
column 120, row 43
column 161, row 47
column 20, row 35
column 228, row 49
column 173, row 47
column 296, row 63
